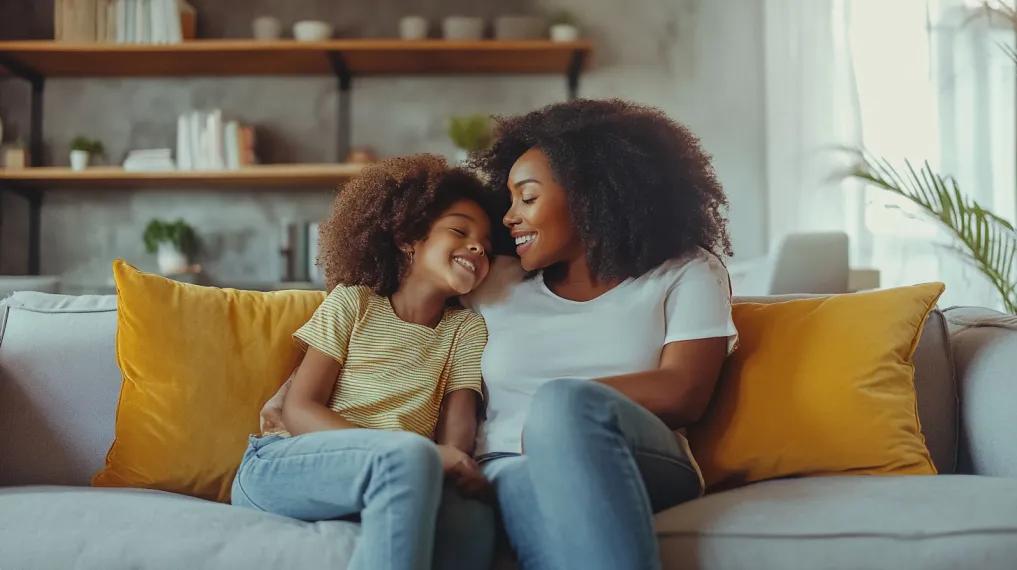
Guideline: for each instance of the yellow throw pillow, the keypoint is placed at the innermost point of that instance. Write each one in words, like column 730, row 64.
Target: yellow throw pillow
column 197, row 365
column 820, row 386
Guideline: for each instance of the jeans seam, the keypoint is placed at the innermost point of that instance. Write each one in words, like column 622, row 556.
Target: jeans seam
column 636, row 484
column 240, row 485
column 683, row 463
column 302, row 455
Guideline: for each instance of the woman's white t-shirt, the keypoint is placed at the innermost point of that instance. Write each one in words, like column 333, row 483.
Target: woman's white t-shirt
column 535, row 336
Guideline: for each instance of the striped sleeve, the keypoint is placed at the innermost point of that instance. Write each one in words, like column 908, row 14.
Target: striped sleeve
column 331, row 325
column 464, row 371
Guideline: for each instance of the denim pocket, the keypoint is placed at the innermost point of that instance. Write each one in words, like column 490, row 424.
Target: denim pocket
column 256, row 442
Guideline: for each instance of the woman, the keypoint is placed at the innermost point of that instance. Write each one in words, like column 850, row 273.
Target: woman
column 606, row 334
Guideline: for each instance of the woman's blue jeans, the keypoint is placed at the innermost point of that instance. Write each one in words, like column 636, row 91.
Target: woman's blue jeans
column 393, row 480
column 596, row 467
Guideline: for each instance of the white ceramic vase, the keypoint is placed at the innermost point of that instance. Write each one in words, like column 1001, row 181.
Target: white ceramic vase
column 266, row 28
column 79, row 159
column 170, row 259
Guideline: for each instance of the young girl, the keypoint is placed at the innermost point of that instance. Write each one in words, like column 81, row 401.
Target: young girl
column 391, row 363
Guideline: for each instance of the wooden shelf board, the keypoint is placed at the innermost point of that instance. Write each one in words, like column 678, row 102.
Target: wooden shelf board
column 105, row 177
column 290, row 57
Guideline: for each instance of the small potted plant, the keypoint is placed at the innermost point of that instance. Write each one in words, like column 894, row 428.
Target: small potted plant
column 81, row 149
column 564, row 27
column 173, row 243
column 469, row 133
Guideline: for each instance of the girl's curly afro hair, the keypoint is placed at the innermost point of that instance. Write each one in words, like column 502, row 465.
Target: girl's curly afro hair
column 640, row 189
column 387, row 205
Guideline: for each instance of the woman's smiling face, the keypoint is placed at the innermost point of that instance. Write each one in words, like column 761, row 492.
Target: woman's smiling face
column 539, row 218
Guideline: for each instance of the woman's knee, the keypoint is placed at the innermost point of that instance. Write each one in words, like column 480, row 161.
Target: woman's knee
column 565, row 405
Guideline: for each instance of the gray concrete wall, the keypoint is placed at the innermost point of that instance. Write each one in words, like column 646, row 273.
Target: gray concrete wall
column 699, row 60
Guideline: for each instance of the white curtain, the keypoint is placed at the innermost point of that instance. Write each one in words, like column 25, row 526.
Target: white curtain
column 906, row 79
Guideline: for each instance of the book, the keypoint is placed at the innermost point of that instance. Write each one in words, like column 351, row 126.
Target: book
column 77, row 20
column 314, row 273
column 130, row 21
column 183, row 144
column 58, row 20
column 194, row 130
column 149, row 160
column 120, row 7
column 174, row 15
column 232, row 145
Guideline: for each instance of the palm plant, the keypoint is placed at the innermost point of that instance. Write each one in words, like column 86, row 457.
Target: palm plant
column 987, row 242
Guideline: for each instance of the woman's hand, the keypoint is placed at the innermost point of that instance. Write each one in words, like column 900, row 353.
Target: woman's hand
column 464, row 472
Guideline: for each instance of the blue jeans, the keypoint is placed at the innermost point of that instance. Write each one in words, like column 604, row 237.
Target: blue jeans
column 392, row 479
column 596, row 467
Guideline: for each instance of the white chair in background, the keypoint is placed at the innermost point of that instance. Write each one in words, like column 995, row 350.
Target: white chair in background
column 804, row 263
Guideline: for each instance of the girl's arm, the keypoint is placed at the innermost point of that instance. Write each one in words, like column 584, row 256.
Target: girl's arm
column 305, row 408
column 679, row 390
column 457, row 424
column 455, row 435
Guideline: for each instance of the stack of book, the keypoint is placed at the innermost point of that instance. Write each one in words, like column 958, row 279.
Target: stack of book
column 149, row 160
column 124, row 21
column 205, row 142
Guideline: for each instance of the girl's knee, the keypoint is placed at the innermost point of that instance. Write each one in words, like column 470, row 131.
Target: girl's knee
column 414, row 455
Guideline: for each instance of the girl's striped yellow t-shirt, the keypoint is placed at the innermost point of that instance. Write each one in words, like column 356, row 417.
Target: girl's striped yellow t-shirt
column 394, row 373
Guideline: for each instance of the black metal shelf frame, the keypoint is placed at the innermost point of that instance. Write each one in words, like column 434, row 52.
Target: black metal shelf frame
column 344, row 83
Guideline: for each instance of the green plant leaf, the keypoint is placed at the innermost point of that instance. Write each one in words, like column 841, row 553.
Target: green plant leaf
column 987, row 241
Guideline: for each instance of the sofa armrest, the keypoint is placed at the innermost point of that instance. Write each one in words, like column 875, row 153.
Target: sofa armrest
column 985, row 353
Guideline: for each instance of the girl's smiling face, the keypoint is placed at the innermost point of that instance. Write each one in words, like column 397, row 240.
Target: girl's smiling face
column 454, row 254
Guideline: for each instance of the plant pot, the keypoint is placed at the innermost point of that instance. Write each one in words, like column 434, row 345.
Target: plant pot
column 79, row 159
column 170, row 259
column 564, row 33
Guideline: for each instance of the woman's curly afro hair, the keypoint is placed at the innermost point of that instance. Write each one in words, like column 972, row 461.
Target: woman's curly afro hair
column 387, row 205
column 640, row 189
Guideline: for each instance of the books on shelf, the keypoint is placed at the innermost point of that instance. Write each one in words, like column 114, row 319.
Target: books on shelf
column 206, row 142
column 149, row 160
column 124, row 21
column 299, row 250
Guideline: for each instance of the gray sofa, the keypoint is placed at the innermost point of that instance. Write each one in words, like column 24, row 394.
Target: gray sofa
column 58, row 392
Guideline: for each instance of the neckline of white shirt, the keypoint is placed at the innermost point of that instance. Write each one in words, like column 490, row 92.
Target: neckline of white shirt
column 543, row 286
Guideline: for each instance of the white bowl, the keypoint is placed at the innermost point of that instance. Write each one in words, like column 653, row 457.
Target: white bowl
column 564, row 33
column 312, row 31
column 463, row 28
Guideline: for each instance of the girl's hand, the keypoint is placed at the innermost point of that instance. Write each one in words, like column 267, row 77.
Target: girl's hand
column 271, row 412
column 464, row 472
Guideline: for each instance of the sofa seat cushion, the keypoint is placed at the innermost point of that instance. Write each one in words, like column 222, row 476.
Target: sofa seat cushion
column 928, row 522
column 81, row 527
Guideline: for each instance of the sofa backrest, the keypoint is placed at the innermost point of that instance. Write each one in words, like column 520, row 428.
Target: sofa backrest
column 59, row 385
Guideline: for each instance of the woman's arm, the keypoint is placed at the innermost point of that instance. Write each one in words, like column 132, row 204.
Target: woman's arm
column 306, row 406
column 680, row 389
